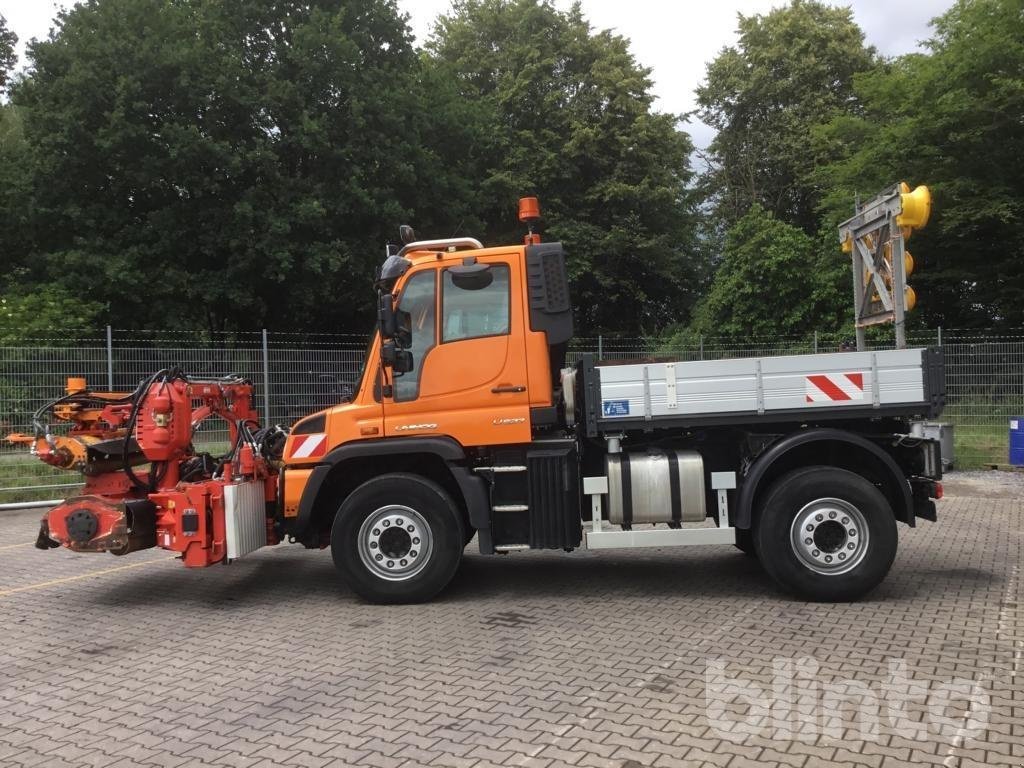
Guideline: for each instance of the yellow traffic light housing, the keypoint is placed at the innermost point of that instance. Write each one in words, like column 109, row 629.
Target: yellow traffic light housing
column 915, row 208
column 908, row 260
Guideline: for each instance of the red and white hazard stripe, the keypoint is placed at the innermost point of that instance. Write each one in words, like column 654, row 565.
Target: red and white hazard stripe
column 834, row 387
column 309, row 446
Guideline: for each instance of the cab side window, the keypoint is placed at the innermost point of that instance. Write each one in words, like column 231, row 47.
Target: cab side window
column 471, row 314
column 417, row 316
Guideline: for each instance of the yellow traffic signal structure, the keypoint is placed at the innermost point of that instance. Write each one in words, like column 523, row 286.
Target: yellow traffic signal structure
column 875, row 238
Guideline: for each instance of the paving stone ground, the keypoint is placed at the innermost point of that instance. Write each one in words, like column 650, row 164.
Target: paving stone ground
column 659, row 658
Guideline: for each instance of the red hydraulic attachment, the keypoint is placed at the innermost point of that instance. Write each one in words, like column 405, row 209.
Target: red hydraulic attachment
column 145, row 483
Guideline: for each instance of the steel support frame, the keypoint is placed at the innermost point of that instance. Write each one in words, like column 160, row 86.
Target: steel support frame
column 598, row 538
column 869, row 231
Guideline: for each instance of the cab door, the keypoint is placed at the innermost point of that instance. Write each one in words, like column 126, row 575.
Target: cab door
column 469, row 378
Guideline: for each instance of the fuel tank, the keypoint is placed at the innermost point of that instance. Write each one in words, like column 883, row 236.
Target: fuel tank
column 655, row 486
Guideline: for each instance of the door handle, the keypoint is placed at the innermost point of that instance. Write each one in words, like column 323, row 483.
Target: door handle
column 508, row 388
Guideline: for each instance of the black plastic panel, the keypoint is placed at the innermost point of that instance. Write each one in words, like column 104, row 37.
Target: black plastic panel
column 934, row 362
column 547, row 284
column 554, row 495
column 311, row 425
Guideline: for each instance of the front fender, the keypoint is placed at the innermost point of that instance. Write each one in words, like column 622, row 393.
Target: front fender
column 472, row 487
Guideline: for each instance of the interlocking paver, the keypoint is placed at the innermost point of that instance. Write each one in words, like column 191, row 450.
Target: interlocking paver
column 536, row 659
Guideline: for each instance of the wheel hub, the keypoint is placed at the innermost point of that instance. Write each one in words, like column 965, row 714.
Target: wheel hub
column 395, row 542
column 829, row 536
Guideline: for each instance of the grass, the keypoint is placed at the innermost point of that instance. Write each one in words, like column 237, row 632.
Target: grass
column 980, row 446
column 981, row 435
column 21, row 474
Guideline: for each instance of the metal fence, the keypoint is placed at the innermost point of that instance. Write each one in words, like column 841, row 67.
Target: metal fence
column 293, row 374
column 296, row 374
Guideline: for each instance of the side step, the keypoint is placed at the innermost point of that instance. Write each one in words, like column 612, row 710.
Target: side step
column 534, row 496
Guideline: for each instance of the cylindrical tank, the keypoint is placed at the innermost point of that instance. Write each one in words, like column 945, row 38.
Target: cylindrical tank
column 1017, row 441
column 655, row 486
column 568, row 380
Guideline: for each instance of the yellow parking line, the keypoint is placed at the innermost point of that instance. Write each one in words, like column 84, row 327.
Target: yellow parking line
column 15, row 546
column 42, row 584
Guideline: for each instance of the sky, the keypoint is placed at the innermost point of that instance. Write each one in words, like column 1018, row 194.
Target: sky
column 675, row 38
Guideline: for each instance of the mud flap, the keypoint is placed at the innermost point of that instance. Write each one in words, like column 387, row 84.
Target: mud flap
column 924, row 492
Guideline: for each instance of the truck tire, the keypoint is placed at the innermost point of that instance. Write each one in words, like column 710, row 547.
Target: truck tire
column 826, row 534
column 397, row 538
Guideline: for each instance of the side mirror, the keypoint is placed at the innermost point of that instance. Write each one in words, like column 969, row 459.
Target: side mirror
column 398, row 360
column 403, row 361
column 386, row 316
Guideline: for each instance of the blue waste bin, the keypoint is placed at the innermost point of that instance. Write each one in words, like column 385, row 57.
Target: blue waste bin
column 1017, row 441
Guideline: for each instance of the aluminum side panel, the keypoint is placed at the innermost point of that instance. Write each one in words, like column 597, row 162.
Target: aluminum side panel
column 754, row 385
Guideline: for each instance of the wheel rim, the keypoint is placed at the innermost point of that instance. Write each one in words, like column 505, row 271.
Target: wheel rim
column 395, row 543
column 829, row 536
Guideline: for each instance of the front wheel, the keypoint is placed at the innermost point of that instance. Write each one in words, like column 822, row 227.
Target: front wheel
column 826, row 534
column 397, row 539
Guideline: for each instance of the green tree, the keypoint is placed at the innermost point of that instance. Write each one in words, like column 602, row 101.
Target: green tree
column 774, row 280
column 14, row 208
column 228, row 164
column 559, row 110
column 44, row 312
column 792, row 69
column 950, row 119
column 8, row 40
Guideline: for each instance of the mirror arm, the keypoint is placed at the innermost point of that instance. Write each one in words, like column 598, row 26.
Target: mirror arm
column 386, row 390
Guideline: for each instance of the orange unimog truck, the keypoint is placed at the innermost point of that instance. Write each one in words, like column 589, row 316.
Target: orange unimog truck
column 468, row 422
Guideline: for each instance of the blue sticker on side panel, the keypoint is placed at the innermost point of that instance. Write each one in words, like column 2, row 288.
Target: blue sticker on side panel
column 615, row 407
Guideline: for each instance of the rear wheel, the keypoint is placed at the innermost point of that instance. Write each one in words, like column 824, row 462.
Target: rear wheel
column 397, row 538
column 826, row 534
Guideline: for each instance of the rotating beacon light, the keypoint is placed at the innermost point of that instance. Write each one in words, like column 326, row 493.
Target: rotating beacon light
column 529, row 214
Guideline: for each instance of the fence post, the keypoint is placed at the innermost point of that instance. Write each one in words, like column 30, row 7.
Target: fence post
column 815, row 342
column 110, row 359
column 266, row 380
column 702, row 346
column 940, row 335
column 600, row 347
